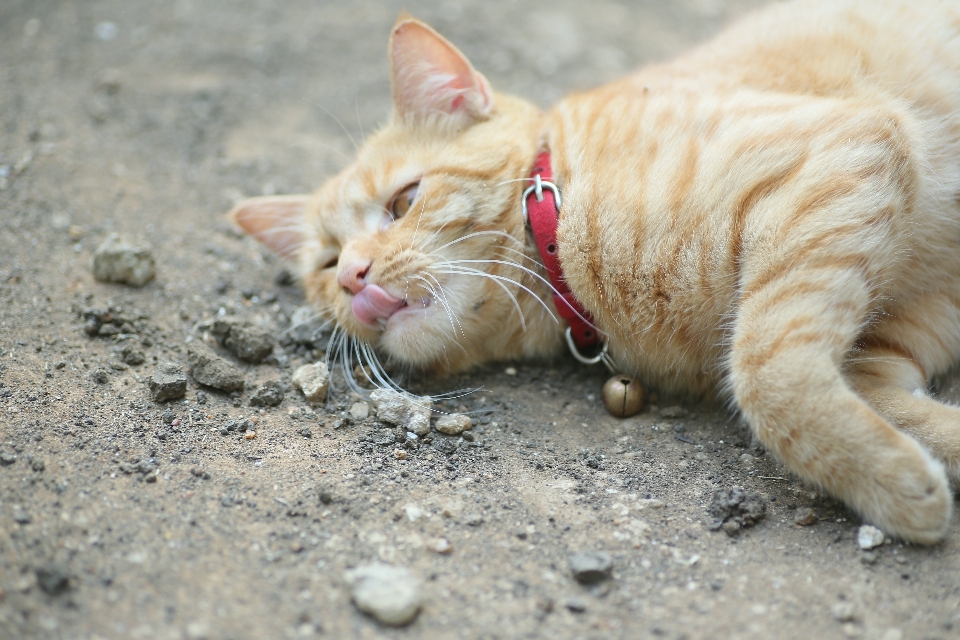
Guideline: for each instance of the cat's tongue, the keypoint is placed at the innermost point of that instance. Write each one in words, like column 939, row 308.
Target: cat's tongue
column 372, row 303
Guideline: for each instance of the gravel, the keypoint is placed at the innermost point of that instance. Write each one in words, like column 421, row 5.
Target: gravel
column 53, row 579
column 392, row 595
column 393, row 408
column 591, row 567
column 735, row 508
column 454, row 424
column 213, row 371
column 869, row 537
column 314, row 381
column 124, row 261
column 246, row 341
column 168, row 382
column 269, row 394
column 805, row 517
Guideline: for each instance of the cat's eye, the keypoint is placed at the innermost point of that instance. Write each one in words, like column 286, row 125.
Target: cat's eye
column 404, row 199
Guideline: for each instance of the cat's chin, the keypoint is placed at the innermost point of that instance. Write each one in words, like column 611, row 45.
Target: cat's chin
column 410, row 337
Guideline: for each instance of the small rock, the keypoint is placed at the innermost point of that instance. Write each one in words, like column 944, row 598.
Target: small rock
column 124, row 261
column 747, row 461
column 400, row 454
column 733, row 509
column 306, row 326
column 38, row 465
column 168, row 382
column 576, row 605
column 213, row 371
column 674, row 412
column 843, row 611
column 869, row 537
column 21, row 517
column 108, row 330
column 473, row 519
column 440, row 545
column 100, row 375
column 412, row 413
column 132, row 357
column 53, row 579
column 269, row 394
column 314, row 381
column 510, row 371
column 7, row 457
column 591, row 567
column 454, row 424
column 805, row 517
column 869, row 557
column 359, row 411
column 247, row 342
column 392, row 595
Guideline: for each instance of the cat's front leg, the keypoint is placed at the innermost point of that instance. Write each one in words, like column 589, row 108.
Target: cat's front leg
column 791, row 336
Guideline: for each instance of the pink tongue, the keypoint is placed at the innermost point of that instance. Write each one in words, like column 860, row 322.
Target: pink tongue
column 373, row 302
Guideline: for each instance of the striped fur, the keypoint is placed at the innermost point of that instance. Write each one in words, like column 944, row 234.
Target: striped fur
column 773, row 216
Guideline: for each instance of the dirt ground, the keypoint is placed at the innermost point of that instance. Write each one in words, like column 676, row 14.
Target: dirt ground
column 124, row 518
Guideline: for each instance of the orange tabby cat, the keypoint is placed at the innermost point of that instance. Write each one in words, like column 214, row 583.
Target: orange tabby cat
column 774, row 215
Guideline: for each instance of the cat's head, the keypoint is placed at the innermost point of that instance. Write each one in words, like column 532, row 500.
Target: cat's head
column 419, row 247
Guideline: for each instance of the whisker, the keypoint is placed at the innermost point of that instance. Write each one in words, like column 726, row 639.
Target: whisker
column 336, row 119
column 498, row 280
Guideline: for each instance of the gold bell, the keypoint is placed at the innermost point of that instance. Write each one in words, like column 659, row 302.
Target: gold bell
column 623, row 396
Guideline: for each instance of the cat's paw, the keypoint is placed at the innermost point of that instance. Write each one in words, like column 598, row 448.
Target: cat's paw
column 909, row 499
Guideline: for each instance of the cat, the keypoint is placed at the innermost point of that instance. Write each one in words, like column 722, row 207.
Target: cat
column 774, row 216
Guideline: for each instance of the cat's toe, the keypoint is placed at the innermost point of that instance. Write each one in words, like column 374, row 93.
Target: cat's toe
column 917, row 503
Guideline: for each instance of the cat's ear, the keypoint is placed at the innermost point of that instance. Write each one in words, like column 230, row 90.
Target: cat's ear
column 276, row 221
column 430, row 76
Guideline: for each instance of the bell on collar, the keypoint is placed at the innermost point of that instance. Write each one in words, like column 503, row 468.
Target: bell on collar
column 623, row 396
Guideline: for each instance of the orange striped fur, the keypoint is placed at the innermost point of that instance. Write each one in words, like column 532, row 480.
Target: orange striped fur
column 775, row 216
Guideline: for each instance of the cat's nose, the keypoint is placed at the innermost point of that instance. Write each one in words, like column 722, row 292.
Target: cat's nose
column 353, row 276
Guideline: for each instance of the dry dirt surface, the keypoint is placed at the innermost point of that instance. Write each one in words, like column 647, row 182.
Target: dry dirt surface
column 207, row 517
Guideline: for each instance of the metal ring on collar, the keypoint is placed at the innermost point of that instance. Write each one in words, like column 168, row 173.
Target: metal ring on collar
column 537, row 187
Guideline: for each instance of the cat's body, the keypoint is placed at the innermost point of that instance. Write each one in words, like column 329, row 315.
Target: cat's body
column 774, row 215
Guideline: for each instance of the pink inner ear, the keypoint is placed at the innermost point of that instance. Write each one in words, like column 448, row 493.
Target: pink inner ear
column 431, row 75
column 276, row 221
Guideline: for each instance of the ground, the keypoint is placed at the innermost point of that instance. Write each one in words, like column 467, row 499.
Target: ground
column 124, row 518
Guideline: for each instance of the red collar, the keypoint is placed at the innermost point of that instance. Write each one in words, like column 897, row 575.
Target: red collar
column 542, row 202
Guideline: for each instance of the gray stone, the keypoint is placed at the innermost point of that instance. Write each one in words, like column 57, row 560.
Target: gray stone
column 124, row 261
column 269, row 394
column 213, row 371
column 359, row 411
column 591, row 567
column 392, row 595
column 412, row 412
column 576, row 605
column 246, row 341
column 314, row 381
column 168, row 382
column 454, row 424
column 869, row 537
column 53, row 578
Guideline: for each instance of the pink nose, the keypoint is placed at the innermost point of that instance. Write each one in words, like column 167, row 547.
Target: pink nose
column 354, row 276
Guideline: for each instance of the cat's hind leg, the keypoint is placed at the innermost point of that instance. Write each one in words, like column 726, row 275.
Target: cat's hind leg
column 891, row 380
column 790, row 338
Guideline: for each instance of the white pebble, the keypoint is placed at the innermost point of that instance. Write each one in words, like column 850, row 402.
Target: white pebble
column 869, row 537
column 454, row 424
column 392, row 595
column 313, row 380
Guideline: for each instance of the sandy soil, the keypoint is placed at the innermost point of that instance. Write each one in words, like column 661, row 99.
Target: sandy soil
column 124, row 518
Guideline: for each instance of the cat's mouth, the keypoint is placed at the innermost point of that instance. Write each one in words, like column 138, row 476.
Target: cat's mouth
column 374, row 307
